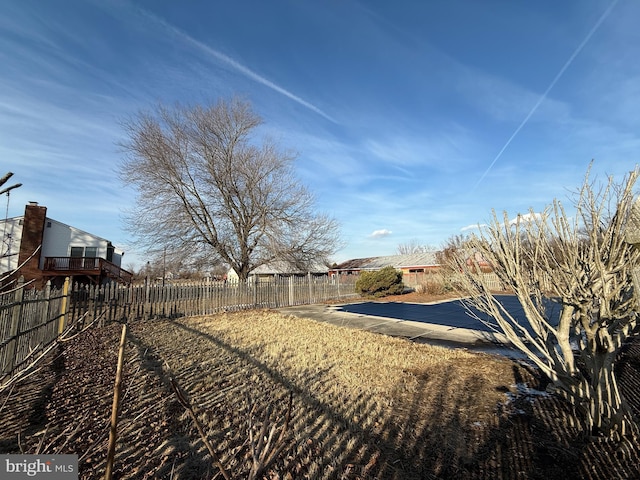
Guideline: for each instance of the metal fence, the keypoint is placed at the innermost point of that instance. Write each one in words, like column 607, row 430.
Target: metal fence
column 32, row 320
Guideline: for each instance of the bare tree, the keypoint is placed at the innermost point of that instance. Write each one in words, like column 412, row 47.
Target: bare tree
column 573, row 278
column 454, row 246
column 207, row 187
column 413, row 246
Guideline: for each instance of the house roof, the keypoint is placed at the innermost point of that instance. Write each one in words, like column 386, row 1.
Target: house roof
column 427, row 259
column 285, row 268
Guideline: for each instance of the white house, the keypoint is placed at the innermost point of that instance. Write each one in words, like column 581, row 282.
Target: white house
column 41, row 248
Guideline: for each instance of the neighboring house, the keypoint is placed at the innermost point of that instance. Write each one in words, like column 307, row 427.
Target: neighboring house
column 412, row 266
column 280, row 269
column 41, row 249
column 476, row 258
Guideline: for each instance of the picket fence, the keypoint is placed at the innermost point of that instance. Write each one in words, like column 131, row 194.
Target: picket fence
column 31, row 320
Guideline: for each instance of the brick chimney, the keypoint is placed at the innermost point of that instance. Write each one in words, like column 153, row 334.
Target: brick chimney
column 32, row 235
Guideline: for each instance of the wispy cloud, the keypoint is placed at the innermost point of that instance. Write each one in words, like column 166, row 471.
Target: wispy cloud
column 504, row 100
column 520, row 218
column 444, row 152
column 473, row 227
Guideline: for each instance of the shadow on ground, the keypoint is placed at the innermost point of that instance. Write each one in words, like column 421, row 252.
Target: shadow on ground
column 333, row 435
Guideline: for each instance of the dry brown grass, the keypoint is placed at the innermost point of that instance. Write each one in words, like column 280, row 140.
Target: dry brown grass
column 365, row 406
column 359, row 363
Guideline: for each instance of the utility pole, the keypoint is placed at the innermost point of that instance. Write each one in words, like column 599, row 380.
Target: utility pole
column 4, row 179
column 6, row 190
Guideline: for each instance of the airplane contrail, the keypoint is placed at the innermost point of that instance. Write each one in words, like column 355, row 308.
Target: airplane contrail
column 546, row 92
column 247, row 72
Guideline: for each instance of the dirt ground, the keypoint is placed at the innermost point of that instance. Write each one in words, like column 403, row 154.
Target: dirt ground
column 360, row 411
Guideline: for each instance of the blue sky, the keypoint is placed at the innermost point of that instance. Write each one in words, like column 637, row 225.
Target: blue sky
column 412, row 119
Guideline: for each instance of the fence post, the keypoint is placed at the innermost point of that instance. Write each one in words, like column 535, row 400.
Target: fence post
column 256, row 285
column 64, row 307
column 276, row 290
column 16, row 316
column 47, row 297
column 205, row 295
column 291, row 297
column 147, row 297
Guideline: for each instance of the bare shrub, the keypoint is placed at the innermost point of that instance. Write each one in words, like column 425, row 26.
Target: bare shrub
column 572, row 273
column 435, row 284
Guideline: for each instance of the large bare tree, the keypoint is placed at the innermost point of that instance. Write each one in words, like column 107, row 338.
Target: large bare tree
column 572, row 274
column 207, row 186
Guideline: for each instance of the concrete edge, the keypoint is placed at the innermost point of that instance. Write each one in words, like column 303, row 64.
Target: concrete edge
column 432, row 330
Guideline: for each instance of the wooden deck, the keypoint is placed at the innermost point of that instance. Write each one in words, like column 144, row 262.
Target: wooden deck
column 96, row 269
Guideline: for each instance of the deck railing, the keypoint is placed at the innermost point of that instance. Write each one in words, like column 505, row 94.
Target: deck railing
column 86, row 266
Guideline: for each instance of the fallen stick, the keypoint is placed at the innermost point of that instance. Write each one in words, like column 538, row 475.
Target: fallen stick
column 113, row 432
column 263, row 454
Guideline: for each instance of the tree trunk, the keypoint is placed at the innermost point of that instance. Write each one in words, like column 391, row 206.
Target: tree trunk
column 603, row 409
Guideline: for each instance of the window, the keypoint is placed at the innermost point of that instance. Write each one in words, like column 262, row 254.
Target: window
column 91, row 252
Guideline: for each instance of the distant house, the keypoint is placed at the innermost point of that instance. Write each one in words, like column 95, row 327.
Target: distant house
column 476, row 259
column 412, row 266
column 41, row 249
column 281, row 269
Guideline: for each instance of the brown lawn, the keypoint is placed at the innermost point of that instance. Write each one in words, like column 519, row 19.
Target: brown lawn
column 364, row 406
